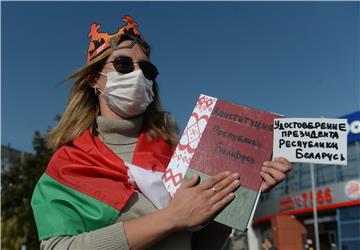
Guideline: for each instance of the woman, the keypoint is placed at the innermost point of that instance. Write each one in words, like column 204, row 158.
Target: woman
column 87, row 198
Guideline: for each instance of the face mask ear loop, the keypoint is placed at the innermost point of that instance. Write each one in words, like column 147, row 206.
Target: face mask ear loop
column 97, row 91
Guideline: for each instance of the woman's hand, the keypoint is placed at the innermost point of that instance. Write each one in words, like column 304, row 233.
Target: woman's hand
column 194, row 204
column 273, row 172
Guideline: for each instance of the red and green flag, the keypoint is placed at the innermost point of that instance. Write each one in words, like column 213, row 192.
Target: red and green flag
column 86, row 185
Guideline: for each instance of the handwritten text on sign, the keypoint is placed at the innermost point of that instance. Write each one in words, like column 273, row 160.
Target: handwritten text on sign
column 313, row 140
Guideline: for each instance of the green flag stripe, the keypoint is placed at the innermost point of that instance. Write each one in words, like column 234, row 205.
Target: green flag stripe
column 60, row 210
column 238, row 212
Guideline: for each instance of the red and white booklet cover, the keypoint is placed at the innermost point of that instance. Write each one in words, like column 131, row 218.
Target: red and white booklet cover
column 223, row 136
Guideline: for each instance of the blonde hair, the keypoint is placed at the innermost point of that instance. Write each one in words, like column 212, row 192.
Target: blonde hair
column 83, row 108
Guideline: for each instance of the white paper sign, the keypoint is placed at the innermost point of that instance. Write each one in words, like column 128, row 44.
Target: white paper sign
column 313, row 140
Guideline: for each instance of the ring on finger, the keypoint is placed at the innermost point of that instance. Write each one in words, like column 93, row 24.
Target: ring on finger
column 213, row 189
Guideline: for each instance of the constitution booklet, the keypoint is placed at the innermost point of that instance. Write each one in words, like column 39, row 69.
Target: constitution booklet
column 223, row 136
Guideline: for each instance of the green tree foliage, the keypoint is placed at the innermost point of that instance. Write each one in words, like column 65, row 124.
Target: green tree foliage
column 18, row 182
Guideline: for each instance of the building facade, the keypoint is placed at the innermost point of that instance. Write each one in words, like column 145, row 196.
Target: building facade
column 9, row 156
column 286, row 214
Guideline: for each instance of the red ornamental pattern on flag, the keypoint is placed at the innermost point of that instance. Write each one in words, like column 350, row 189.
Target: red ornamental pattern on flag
column 189, row 141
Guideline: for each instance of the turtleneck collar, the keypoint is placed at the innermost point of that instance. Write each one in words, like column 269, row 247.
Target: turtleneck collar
column 118, row 131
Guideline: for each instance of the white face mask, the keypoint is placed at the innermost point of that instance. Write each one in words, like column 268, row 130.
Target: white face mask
column 128, row 94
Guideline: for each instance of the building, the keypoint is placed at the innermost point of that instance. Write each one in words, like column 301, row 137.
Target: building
column 286, row 215
column 10, row 156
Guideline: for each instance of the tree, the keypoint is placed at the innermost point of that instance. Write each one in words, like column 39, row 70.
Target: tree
column 18, row 182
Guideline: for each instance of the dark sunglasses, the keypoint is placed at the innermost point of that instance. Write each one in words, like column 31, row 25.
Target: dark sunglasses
column 125, row 64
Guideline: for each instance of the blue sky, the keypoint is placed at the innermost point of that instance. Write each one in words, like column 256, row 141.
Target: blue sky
column 300, row 59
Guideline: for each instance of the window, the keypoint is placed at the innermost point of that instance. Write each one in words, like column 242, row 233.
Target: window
column 350, row 227
column 350, row 213
column 351, row 245
column 325, row 174
column 305, row 177
column 291, row 182
column 350, row 171
column 350, row 230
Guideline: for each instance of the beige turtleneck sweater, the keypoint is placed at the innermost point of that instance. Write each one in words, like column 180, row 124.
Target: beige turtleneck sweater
column 121, row 137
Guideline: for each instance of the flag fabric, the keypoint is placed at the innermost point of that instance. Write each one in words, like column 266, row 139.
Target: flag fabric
column 86, row 185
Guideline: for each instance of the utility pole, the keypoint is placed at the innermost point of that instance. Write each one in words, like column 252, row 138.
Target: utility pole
column 316, row 226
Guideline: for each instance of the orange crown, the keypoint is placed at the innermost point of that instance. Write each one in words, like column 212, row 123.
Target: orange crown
column 100, row 41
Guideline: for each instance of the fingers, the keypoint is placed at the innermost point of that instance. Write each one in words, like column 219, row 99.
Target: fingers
column 279, row 163
column 213, row 180
column 191, row 182
column 225, row 182
column 223, row 202
column 196, row 204
column 225, row 191
column 218, row 190
column 285, row 162
column 268, row 181
column 275, row 174
column 277, row 168
column 222, row 192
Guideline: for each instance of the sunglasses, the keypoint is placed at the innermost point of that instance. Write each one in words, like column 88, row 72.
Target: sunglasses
column 125, row 64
